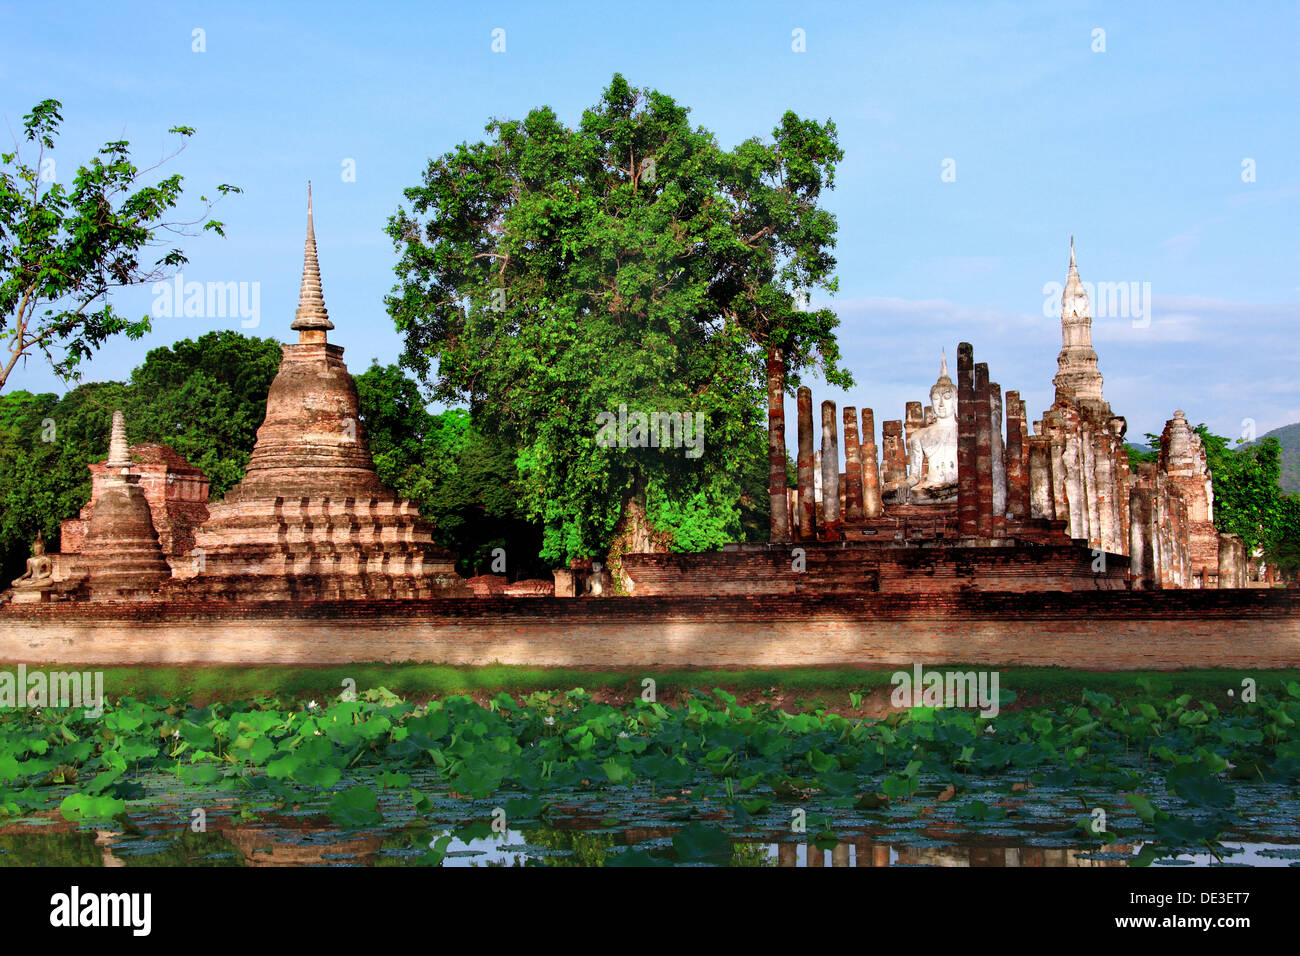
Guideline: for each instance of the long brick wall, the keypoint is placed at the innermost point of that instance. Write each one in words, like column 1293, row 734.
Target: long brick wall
column 854, row 568
column 1088, row 630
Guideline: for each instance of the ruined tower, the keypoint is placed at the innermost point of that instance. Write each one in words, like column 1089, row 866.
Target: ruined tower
column 1077, row 378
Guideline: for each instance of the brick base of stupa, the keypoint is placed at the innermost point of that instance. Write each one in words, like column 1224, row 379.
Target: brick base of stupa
column 268, row 549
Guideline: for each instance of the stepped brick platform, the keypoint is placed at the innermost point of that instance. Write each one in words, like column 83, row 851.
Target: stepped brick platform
column 1161, row 630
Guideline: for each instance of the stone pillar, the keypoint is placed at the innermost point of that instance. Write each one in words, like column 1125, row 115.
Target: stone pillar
column 913, row 421
column 804, row 467
column 998, row 461
column 1060, row 498
column 1105, row 490
column 779, row 529
column 1143, row 541
column 871, row 504
column 983, row 451
column 1232, row 573
column 967, row 494
column 1014, row 463
column 817, row 481
column 1040, row 478
column 893, row 453
column 852, row 466
column 1091, row 486
column 830, row 468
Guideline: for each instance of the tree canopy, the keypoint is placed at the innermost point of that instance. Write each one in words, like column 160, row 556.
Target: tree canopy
column 625, row 269
column 64, row 249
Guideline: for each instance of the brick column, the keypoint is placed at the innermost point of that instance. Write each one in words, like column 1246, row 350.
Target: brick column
column 1038, row 503
column 871, row 505
column 804, row 467
column 1017, row 485
column 983, row 451
column 967, row 505
column 893, row 453
column 780, row 517
column 1142, row 544
column 830, row 469
column 852, row 466
column 998, row 461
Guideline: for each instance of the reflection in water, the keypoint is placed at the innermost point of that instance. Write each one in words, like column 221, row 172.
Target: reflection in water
column 290, row 842
column 865, row 851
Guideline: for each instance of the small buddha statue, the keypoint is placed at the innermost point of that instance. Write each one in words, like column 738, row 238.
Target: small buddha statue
column 40, row 569
column 932, row 459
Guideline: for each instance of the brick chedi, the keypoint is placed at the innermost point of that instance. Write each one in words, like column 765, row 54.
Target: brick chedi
column 177, row 493
column 1088, row 466
column 120, row 558
column 311, row 519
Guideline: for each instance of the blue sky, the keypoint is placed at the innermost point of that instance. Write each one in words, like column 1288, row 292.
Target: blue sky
column 1137, row 151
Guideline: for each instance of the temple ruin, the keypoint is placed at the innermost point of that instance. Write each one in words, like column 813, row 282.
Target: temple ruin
column 964, row 497
column 958, row 495
column 310, row 521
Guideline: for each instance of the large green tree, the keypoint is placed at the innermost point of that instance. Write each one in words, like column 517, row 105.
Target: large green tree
column 553, row 277
column 46, row 442
column 465, row 483
column 64, row 249
column 205, row 398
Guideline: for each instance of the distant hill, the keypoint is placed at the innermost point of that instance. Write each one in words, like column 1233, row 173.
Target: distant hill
column 1288, row 437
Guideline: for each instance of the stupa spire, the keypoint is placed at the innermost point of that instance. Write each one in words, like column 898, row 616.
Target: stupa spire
column 311, row 316
column 1077, row 376
column 119, row 455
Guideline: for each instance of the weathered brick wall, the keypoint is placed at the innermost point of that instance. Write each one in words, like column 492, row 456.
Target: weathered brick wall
column 1089, row 630
column 858, row 568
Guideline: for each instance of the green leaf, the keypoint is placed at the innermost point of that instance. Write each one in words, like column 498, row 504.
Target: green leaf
column 355, row 807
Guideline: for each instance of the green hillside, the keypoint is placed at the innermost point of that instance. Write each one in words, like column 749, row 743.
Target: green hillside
column 1289, row 438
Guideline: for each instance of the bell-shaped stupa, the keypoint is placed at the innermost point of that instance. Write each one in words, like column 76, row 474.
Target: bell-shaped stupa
column 121, row 557
column 311, row 519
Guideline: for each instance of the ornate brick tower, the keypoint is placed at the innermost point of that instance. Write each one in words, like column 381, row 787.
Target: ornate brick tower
column 311, row 519
column 1078, row 378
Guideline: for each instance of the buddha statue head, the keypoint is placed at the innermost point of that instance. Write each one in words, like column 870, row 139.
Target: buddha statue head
column 943, row 394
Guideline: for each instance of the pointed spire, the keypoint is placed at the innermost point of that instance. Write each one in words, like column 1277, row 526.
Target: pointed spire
column 311, row 314
column 943, row 379
column 1074, row 299
column 119, row 457
column 1077, row 378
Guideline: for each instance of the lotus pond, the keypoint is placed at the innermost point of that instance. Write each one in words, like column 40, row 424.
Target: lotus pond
column 558, row 779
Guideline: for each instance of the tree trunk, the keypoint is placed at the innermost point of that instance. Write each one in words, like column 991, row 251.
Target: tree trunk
column 776, row 454
column 634, row 534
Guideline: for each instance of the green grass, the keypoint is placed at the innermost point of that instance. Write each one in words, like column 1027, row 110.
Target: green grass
column 811, row 686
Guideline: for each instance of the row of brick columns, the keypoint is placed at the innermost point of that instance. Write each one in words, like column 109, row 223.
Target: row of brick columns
column 861, row 476
column 993, row 479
